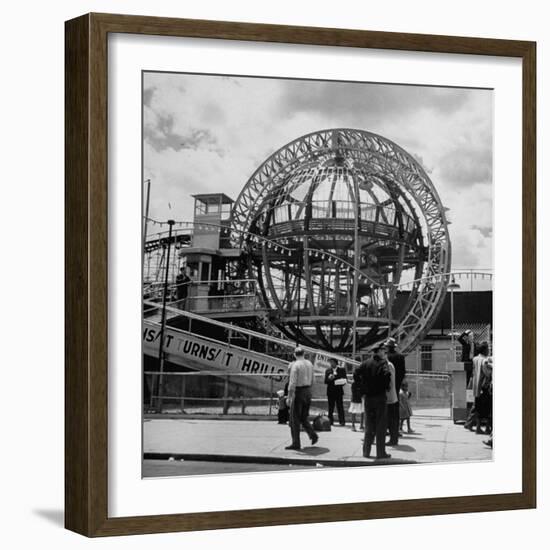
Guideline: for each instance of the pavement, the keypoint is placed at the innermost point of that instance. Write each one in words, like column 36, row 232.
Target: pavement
column 177, row 468
column 264, row 442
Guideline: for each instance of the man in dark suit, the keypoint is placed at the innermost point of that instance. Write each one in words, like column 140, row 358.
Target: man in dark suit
column 335, row 391
column 469, row 351
column 374, row 376
column 398, row 361
column 182, row 287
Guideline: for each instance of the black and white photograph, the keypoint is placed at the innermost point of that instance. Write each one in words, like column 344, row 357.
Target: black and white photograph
column 317, row 274
column 275, row 251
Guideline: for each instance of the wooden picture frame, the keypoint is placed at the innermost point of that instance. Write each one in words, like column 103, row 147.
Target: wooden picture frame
column 86, row 283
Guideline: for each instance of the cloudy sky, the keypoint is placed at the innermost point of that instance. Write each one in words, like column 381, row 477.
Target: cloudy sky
column 209, row 133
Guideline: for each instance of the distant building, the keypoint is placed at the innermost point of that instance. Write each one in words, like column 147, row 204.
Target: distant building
column 472, row 310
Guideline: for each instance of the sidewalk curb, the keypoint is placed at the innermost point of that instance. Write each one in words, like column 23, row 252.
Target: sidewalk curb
column 191, row 416
column 262, row 459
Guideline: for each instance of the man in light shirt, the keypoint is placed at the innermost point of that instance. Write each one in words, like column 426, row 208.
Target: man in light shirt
column 299, row 399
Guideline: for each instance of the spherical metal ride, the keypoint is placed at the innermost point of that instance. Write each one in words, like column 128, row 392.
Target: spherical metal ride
column 342, row 218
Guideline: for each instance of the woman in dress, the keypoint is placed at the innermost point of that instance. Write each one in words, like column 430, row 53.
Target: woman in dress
column 356, row 403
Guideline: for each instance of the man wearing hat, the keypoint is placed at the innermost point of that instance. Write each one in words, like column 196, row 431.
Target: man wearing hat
column 299, row 398
column 398, row 362
column 374, row 376
column 182, row 287
column 335, row 379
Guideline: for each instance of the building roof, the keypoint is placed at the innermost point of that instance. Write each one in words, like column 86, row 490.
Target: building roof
column 470, row 308
column 214, row 198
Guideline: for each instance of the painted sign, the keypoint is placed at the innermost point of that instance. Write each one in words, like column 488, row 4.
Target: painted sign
column 192, row 350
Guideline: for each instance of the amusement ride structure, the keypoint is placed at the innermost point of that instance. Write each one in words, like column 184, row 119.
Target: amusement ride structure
column 360, row 216
column 341, row 233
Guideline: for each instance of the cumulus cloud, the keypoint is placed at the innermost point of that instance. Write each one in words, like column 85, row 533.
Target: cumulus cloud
column 161, row 136
column 148, row 96
column 467, row 164
column 352, row 99
column 486, row 231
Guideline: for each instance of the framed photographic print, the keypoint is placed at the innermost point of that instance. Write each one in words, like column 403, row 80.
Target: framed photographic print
column 300, row 280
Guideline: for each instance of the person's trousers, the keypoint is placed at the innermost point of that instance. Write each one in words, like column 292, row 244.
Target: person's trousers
column 469, row 370
column 393, row 422
column 375, row 425
column 299, row 413
column 472, row 417
column 481, row 409
column 336, row 397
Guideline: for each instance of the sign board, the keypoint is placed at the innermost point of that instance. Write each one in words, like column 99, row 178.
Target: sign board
column 201, row 353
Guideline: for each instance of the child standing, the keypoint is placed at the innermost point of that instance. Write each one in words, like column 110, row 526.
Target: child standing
column 356, row 404
column 283, row 412
column 405, row 410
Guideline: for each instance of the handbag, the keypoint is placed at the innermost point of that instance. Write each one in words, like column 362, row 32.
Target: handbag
column 321, row 423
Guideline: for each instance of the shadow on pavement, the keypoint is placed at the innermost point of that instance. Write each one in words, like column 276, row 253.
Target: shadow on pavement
column 314, row 451
column 405, row 448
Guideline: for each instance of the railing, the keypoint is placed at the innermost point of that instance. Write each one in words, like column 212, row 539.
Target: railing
column 222, row 304
column 215, row 394
column 431, row 393
column 340, row 209
column 417, row 358
column 233, row 294
column 210, row 393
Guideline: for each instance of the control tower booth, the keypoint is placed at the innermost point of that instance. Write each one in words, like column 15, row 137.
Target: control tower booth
column 210, row 252
column 212, row 215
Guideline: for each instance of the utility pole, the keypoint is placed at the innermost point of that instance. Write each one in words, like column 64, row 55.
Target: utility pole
column 146, row 221
column 299, row 281
column 163, row 319
column 452, row 287
column 356, row 265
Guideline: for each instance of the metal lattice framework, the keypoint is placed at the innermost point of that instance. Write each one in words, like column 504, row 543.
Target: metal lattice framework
column 406, row 215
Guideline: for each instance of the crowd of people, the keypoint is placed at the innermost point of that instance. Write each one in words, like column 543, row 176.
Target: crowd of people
column 380, row 397
column 478, row 365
